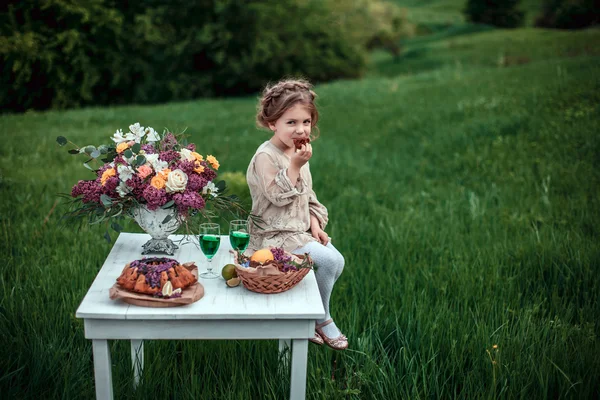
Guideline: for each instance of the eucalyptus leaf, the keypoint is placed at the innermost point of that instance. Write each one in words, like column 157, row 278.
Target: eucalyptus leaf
column 168, row 204
column 140, row 160
column 221, row 185
column 106, row 200
column 128, row 153
column 95, row 154
column 107, row 237
column 116, row 227
column 89, row 149
column 61, row 140
column 74, row 151
column 85, row 164
column 167, row 219
column 136, row 148
column 103, row 149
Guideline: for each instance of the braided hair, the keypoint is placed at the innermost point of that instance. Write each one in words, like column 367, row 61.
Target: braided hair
column 283, row 95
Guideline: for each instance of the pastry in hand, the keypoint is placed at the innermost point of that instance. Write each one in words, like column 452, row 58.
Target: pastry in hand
column 300, row 142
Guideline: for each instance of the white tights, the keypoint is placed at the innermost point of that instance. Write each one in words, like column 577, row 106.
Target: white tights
column 330, row 263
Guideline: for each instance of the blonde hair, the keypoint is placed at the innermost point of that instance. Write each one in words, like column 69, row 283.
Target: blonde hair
column 278, row 98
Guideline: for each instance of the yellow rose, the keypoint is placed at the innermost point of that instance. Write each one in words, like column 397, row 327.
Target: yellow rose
column 199, row 168
column 197, row 156
column 158, row 182
column 213, row 161
column 109, row 173
column 164, row 173
column 121, row 147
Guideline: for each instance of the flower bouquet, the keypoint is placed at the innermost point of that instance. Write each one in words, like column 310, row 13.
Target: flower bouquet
column 272, row 270
column 159, row 180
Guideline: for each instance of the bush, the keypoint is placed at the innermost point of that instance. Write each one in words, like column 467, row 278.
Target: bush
column 569, row 14
column 501, row 13
column 62, row 55
column 372, row 23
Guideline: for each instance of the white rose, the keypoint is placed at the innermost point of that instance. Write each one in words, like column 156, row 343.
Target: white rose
column 176, row 181
column 186, row 154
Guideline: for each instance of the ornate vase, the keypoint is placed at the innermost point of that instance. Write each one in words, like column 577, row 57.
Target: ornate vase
column 159, row 224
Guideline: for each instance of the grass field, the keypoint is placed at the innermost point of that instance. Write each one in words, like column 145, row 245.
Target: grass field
column 463, row 190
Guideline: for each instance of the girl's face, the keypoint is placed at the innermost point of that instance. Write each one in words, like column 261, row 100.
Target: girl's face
column 295, row 123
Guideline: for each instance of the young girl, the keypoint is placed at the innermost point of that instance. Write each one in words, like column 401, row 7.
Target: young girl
column 281, row 188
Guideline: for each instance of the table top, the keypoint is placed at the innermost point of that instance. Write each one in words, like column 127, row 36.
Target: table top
column 303, row 301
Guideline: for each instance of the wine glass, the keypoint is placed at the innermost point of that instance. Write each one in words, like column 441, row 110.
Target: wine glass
column 210, row 239
column 239, row 236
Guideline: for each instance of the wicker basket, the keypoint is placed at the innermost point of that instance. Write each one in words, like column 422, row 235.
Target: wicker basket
column 270, row 284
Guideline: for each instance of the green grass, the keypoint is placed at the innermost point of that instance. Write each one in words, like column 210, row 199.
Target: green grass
column 463, row 192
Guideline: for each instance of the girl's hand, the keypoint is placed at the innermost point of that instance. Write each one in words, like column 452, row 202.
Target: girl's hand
column 302, row 156
column 320, row 235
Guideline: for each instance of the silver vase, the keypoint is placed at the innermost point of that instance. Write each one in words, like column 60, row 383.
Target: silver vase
column 159, row 224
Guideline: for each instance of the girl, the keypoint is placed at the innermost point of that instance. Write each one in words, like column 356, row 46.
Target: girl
column 281, row 188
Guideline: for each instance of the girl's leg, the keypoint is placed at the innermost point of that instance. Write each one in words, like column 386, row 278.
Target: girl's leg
column 330, row 264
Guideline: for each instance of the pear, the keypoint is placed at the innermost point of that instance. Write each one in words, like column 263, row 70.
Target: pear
column 233, row 282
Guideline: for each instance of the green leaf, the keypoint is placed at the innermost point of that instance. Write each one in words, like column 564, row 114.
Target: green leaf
column 128, row 153
column 167, row 219
column 61, row 140
column 103, row 149
column 106, row 200
column 136, row 148
column 168, row 204
column 85, row 164
column 116, row 227
column 221, row 185
column 95, row 154
column 107, row 237
column 74, row 151
column 140, row 160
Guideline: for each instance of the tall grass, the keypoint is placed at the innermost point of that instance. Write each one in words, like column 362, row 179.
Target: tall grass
column 464, row 196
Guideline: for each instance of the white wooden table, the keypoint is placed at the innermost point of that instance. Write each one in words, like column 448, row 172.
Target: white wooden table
column 223, row 313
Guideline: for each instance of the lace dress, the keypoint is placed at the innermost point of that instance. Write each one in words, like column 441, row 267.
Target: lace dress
column 285, row 208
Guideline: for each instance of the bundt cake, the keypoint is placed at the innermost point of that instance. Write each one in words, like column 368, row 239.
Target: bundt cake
column 149, row 275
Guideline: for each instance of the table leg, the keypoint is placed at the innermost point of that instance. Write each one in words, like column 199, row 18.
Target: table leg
column 137, row 360
column 299, row 364
column 102, row 369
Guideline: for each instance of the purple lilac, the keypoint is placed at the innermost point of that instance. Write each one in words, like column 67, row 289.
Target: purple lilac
column 208, row 173
column 187, row 200
column 169, row 156
column 195, row 183
column 154, row 197
column 110, row 186
column 191, row 147
column 186, row 166
column 148, row 149
column 152, row 268
column 169, row 142
column 90, row 190
column 280, row 256
column 137, row 186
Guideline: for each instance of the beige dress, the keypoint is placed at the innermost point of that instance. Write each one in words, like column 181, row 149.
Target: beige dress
column 285, row 208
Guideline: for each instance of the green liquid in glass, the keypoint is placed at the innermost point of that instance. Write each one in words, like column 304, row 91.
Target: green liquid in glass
column 239, row 240
column 209, row 245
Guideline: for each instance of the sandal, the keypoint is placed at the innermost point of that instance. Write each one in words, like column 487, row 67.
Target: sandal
column 317, row 339
column 338, row 343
